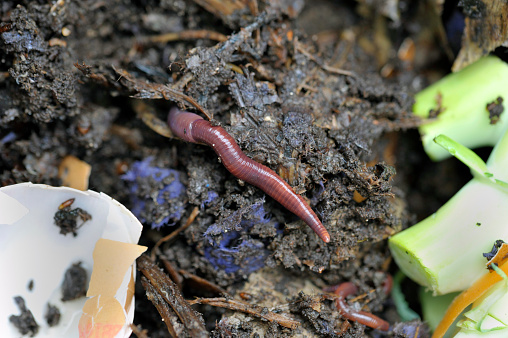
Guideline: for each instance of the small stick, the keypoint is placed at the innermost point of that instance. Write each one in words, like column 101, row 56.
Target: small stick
column 169, row 291
column 204, row 284
column 256, row 311
column 157, row 91
column 299, row 47
column 139, row 331
column 253, row 7
column 162, row 307
column 189, row 35
column 172, row 235
column 173, row 274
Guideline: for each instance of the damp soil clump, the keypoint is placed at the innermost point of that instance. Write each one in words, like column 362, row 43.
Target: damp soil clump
column 96, row 80
column 25, row 321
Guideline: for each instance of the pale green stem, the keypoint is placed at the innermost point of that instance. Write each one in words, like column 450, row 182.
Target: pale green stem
column 462, row 98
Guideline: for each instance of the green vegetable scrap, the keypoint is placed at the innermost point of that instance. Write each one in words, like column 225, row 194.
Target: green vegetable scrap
column 444, row 251
column 406, row 314
column 466, row 106
column 434, row 307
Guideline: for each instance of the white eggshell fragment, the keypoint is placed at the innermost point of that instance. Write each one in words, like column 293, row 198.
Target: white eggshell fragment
column 33, row 252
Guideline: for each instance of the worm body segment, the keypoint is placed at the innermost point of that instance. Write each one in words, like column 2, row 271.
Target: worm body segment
column 345, row 289
column 193, row 128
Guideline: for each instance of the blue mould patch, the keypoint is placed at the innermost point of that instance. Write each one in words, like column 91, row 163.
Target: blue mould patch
column 166, row 206
column 212, row 196
column 229, row 246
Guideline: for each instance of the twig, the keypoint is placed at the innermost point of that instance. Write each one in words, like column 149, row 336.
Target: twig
column 87, row 71
column 253, row 7
column 162, row 307
column 203, row 284
column 235, row 40
column 173, row 274
column 172, row 235
column 320, row 63
column 221, row 8
column 188, row 35
column 253, row 310
column 169, row 291
column 157, row 91
column 138, row 331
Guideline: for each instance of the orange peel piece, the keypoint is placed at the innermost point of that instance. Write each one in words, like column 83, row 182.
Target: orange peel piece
column 459, row 304
column 103, row 314
column 357, row 197
column 74, row 173
column 501, row 255
column 102, row 317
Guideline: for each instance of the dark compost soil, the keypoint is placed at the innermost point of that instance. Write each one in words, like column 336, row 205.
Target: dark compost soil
column 320, row 92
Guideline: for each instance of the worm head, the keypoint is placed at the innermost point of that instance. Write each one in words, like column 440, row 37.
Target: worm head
column 180, row 123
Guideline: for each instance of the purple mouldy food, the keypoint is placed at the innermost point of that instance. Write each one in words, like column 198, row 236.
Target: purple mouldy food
column 230, row 249
column 157, row 194
column 212, row 196
column 237, row 255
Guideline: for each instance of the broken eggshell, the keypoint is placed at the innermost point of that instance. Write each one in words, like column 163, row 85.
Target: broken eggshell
column 35, row 256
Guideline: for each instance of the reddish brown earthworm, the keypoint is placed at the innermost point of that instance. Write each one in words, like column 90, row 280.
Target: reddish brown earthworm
column 193, row 128
column 345, row 289
column 388, row 284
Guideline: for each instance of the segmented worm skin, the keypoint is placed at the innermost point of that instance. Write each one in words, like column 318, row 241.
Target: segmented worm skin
column 193, row 128
column 362, row 317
